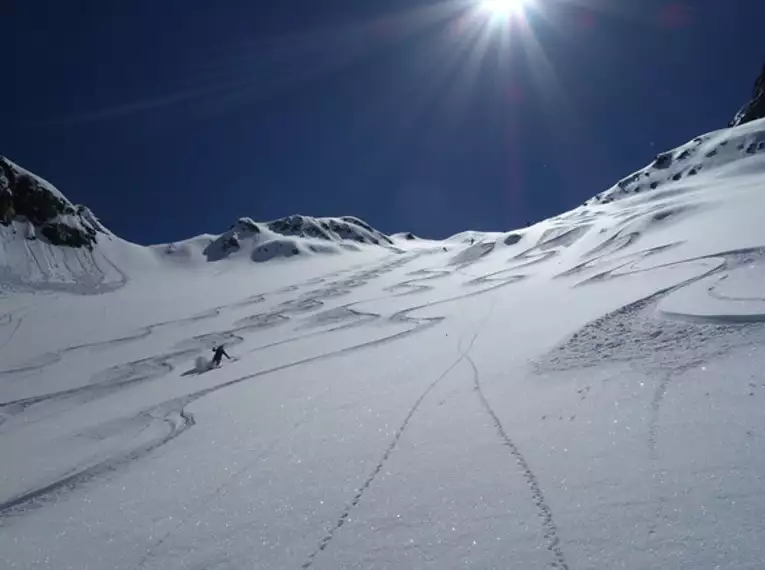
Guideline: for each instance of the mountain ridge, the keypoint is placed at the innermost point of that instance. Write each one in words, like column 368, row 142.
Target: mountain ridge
column 33, row 209
column 705, row 152
column 46, row 241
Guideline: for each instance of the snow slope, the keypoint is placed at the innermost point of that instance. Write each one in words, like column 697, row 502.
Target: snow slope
column 585, row 393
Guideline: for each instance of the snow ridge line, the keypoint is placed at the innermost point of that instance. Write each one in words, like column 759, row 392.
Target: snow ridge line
column 345, row 515
column 545, row 512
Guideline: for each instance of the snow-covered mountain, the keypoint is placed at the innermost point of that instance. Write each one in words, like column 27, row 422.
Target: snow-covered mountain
column 285, row 237
column 48, row 242
column 35, row 207
column 45, row 240
column 581, row 394
column 712, row 153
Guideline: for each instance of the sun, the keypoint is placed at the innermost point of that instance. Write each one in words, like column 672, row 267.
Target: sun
column 503, row 8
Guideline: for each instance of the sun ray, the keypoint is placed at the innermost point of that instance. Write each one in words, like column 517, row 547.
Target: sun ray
column 503, row 9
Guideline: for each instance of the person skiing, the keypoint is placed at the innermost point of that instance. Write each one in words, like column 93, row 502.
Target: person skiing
column 220, row 352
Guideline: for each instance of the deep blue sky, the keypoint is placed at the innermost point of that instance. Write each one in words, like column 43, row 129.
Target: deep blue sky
column 171, row 118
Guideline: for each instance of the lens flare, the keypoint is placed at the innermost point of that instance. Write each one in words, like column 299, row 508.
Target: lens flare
column 503, row 8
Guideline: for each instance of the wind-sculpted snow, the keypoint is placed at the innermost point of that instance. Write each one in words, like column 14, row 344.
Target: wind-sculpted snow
column 550, row 244
column 681, row 328
column 649, row 328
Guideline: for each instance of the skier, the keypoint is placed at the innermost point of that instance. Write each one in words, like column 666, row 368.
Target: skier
column 220, row 352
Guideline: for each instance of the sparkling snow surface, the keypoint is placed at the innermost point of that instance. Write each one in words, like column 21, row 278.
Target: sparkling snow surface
column 583, row 394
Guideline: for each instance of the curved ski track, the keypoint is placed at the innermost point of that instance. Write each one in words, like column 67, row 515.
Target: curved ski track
column 38, row 497
column 356, row 499
column 177, row 420
column 218, row 490
column 127, row 374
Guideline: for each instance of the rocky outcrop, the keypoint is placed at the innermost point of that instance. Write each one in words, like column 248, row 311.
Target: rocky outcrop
column 26, row 198
column 33, row 209
column 294, row 235
column 329, row 229
column 755, row 108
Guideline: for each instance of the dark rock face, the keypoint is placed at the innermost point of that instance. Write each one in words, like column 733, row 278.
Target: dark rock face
column 663, row 160
column 7, row 210
column 231, row 244
column 512, row 239
column 26, row 197
column 298, row 226
column 345, row 228
column 246, row 226
column 63, row 234
column 755, row 108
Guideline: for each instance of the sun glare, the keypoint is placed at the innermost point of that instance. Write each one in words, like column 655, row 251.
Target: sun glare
column 503, row 8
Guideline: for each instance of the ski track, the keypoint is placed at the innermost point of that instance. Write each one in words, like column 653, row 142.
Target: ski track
column 36, row 497
column 177, row 420
column 627, row 260
column 303, row 304
column 143, row 332
column 415, row 285
column 125, row 375
column 345, row 515
column 173, row 412
column 218, row 490
column 740, row 330
column 39, row 497
column 549, row 246
column 657, row 477
column 551, row 533
column 491, row 276
column 14, row 331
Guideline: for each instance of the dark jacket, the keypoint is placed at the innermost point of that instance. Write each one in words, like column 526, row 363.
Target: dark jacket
column 220, row 352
